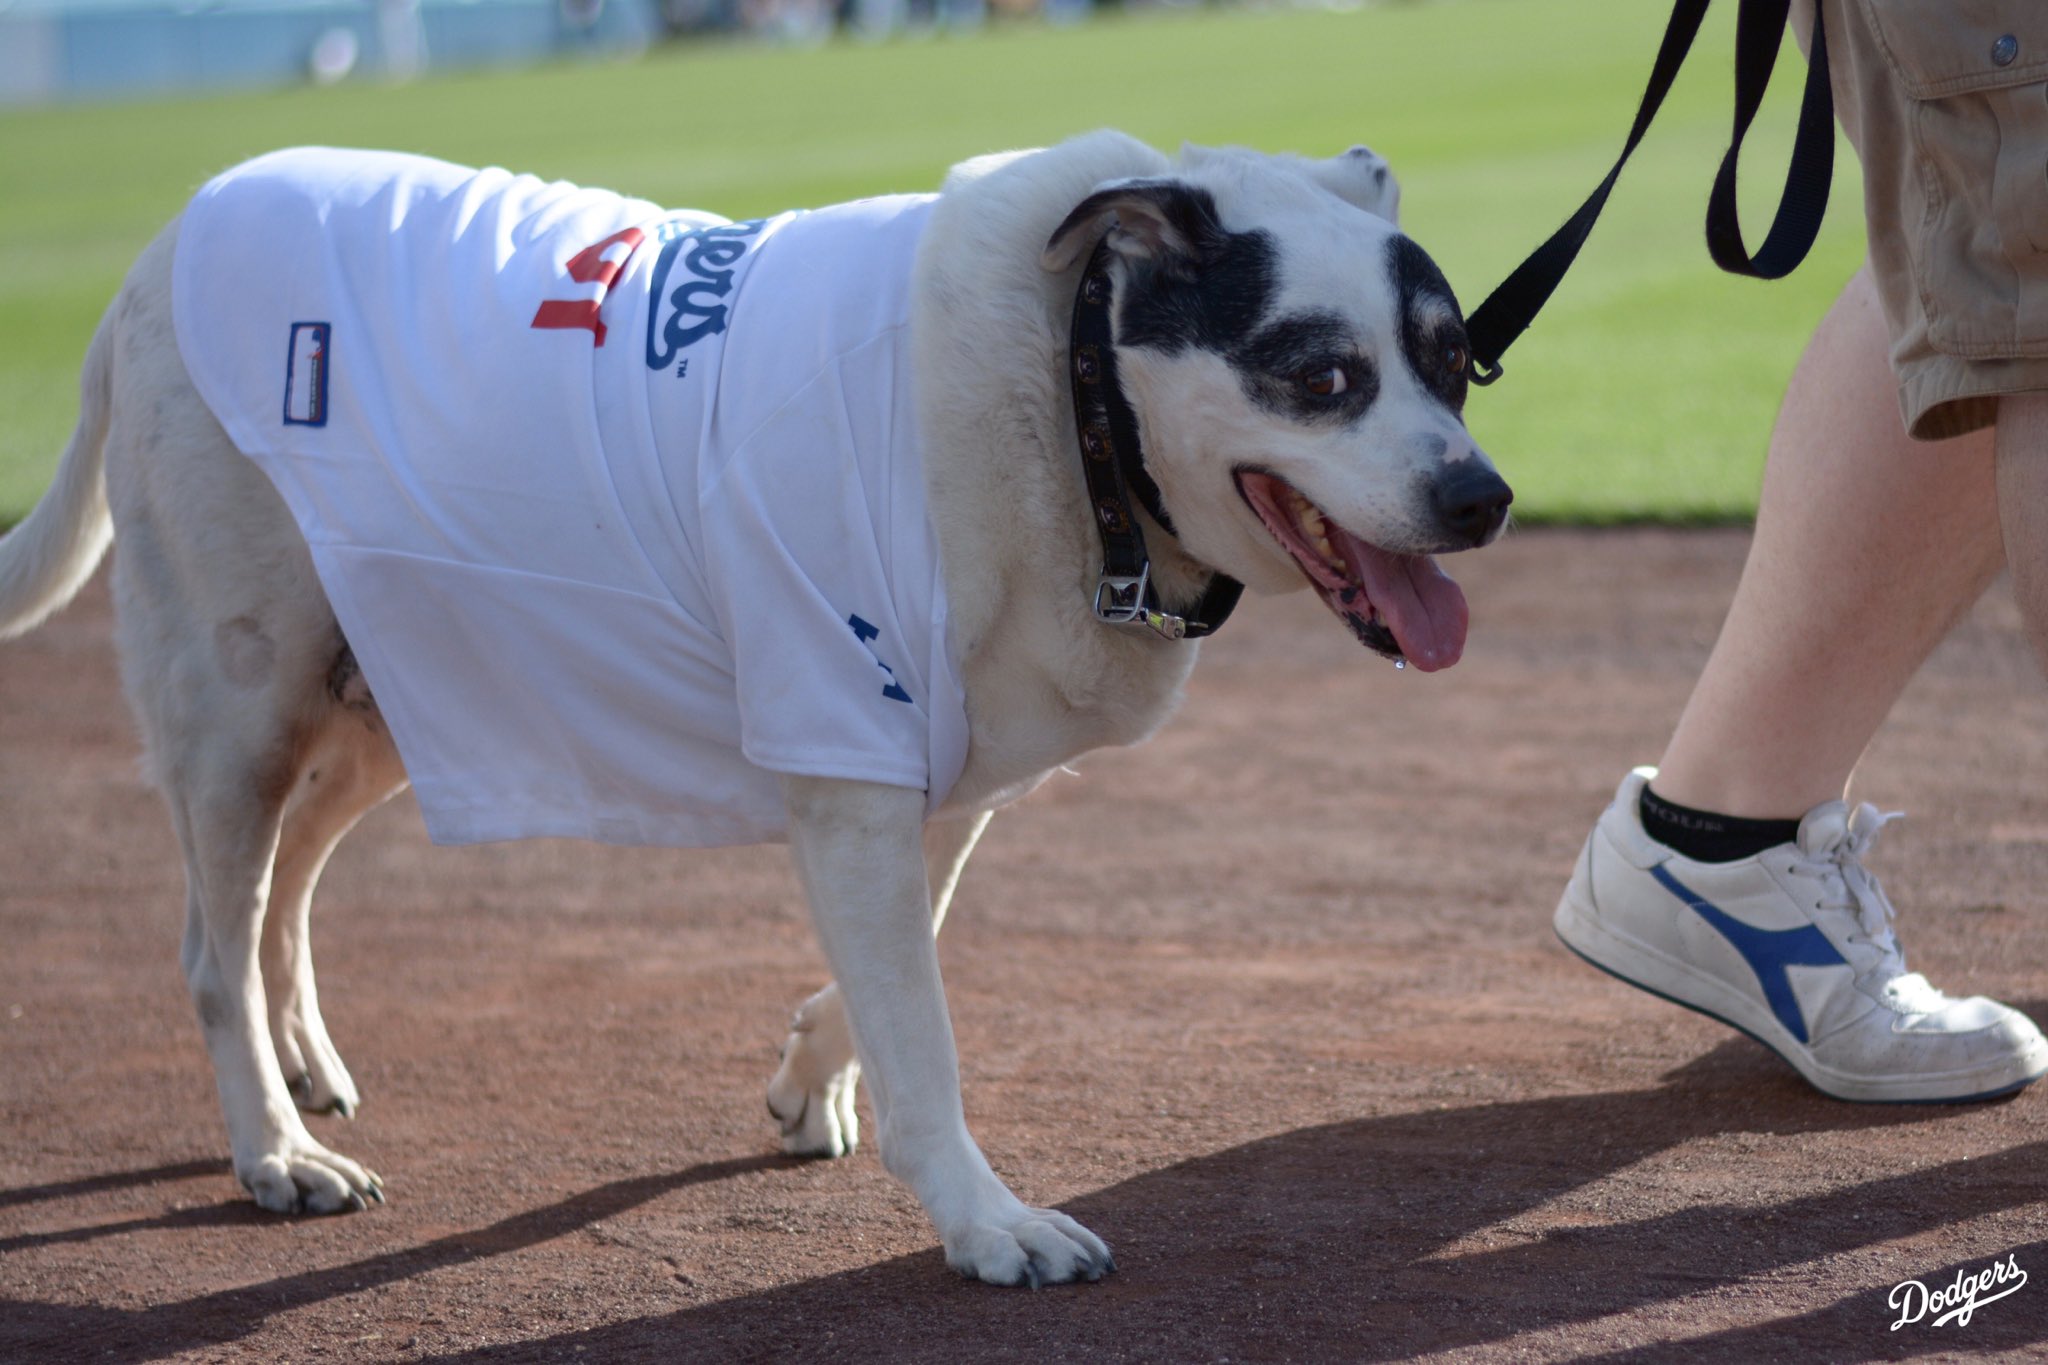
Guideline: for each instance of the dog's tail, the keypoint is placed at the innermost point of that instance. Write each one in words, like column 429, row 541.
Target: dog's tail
column 46, row 560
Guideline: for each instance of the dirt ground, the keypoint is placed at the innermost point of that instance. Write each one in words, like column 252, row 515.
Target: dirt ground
column 1271, row 1002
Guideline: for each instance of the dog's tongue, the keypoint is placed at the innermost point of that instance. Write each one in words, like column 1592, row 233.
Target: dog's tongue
column 1421, row 604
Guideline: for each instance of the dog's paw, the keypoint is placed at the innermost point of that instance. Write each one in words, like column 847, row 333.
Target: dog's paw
column 817, row 1117
column 314, row 1074
column 813, row 1091
column 325, row 1094
column 307, row 1178
column 1033, row 1247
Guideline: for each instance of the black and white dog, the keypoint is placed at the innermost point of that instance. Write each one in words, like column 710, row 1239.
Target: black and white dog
column 1295, row 370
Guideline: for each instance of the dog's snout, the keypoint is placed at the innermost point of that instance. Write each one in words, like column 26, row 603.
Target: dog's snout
column 1472, row 503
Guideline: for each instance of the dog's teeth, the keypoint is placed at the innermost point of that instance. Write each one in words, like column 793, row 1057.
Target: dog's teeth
column 1307, row 517
column 1335, row 561
column 1317, row 532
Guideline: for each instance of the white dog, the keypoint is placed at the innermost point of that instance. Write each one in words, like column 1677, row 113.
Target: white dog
column 644, row 568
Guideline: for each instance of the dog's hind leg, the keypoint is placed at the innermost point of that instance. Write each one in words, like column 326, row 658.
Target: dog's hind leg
column 228, row 812
column 350, row 769
column 813, row 1091
column 226, row 641
column 228, row 712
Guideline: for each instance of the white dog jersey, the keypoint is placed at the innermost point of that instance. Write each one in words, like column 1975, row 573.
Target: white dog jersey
column 621, row 509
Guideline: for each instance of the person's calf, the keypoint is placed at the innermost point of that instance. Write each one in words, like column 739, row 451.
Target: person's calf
column 2022, row 455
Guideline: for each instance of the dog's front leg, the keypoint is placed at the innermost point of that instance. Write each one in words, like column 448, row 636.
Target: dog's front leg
column 813, row 1091
column 858, row 850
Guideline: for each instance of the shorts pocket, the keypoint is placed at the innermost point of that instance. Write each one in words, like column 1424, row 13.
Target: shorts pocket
column 1974, row 76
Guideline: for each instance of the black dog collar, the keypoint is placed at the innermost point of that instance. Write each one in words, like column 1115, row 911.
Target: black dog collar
column 1114, row 464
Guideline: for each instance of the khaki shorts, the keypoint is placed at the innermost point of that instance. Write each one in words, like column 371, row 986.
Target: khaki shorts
column 1946, row 102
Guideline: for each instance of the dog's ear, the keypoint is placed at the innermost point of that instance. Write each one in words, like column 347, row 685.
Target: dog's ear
column 1360, row 176
column 1151, row 220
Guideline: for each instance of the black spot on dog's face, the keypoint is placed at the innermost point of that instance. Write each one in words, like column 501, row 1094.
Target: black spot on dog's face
column 1432, row 327
column 1307, row 365
column 1210, row 297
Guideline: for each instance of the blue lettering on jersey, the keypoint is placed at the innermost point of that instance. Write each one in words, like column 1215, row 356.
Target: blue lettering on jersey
column 867, row 635
column 683, row 316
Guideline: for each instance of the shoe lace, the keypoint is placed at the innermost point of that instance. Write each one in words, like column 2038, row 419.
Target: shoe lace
column 1851, row 887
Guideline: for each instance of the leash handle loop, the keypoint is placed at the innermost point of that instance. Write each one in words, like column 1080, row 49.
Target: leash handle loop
column 1760, row 25
column 1804, row 200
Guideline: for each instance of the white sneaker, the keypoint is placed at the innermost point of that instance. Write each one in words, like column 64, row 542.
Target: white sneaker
column 1795, row 948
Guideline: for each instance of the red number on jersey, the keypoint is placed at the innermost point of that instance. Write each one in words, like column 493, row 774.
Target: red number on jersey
column 592, row 265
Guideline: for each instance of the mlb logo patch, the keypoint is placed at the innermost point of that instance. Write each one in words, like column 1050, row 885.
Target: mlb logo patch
column 305, row 375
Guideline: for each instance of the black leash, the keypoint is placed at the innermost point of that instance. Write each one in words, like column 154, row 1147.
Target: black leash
column 1114, row 463
column 1759, row 27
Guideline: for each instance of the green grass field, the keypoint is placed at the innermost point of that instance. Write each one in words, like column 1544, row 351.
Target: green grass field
column 1645, row 392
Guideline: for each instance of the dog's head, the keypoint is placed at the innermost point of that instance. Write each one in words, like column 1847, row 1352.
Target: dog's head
column 1299, row 368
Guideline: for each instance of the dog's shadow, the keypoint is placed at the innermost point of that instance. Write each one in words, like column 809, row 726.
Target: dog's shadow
column 1366, row 1239
column 115, row 1180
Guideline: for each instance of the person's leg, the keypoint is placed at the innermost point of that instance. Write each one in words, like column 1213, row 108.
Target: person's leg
column 2023, row 508
column 1869, row 545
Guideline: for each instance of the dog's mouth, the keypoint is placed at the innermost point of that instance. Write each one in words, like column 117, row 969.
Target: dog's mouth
column 1402, row 606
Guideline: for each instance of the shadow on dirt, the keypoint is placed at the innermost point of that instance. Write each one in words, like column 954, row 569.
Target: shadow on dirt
column 1860, row 1326
column 1369, row 1239
column 118, row 1180
column 31, row 1331
column 238, row 1213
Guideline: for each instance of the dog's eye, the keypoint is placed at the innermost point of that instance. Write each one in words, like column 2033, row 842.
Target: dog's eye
column 1456, row 357
column 1327, row 382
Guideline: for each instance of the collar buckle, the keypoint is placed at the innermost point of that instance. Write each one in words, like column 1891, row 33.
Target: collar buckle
column 1121, row 601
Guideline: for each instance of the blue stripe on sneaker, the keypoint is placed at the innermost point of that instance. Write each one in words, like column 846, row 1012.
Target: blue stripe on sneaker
column 1767, row 951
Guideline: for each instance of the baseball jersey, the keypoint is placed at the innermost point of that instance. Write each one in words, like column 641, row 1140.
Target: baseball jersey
column 622, row 509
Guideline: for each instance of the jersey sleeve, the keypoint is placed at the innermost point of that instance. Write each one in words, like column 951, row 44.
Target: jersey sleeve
column 807, row 569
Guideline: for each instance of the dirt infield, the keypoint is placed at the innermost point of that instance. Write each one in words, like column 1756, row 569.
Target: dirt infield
column 1271, row 1002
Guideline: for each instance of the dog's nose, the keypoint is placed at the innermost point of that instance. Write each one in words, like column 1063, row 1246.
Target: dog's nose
column 1472, row 503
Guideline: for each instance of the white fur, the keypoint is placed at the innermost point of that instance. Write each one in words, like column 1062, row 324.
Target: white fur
column 229, row 649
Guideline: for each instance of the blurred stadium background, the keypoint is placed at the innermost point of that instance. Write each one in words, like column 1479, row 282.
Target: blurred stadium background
column 90, row 49
column 1644, row 393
